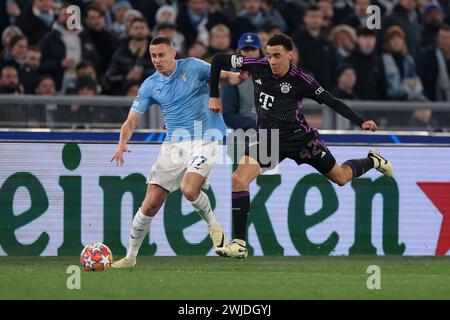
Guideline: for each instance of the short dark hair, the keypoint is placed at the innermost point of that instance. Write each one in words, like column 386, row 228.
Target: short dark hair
column 42, row 78
column 161, row 39
column 16, row 39
column 84, row 64
column 8, row 65
column 137, row 19
column 280, row 39
column 34, row 48
column 365, row 32
column 313, row 7
column 92, row 8
column 444, row 27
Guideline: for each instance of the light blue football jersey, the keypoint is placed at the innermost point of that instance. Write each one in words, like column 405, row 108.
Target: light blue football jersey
column 183, row 97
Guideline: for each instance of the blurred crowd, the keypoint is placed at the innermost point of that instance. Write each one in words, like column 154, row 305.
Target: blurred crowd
column 44, row 51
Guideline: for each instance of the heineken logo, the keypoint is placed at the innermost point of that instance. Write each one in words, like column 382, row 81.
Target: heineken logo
column 56, row 205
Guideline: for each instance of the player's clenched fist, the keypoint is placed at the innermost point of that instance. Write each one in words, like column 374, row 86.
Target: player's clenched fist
column 215, row 104
column 369, row 125
column 118, row 155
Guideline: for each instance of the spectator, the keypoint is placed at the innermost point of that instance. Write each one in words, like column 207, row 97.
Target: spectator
column 79, row 116
column 166, row 14
column 16, row 52
column 13, row 12
column 273, row 16
column 129, row 17
column 34, row 57
column 346, row 83
column 37, row 20
column 197, row 50
column 131, row 60
column 9, row 84
column 104, row 41
column 344, row 41
column 358, row 18
column 131, row 89
column 405, row 16
column 87, row 68
column 368, row 66
column 170, row 30
column 194, row 21
column 102, row 116
column 148, row 8
column 400, row 70
column 271, row 29
column 220, row 39
column 46, row 87
column 28, row 73
column 292, row 12
column 239, row 110
column 434, row 67
column 62, row 49
column 317, row 54
column 9, row 80
column 254, row 16
column 342, row 8
column 423, row 119
column 37, row 114
column 433, row 17
column 86, row 86
column 326, row 6
column 263, row 37
column 120, row 9
column 106, row 9
column 7, row 34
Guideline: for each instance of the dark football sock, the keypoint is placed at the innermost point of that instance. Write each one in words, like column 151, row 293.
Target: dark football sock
column 240, row 210
column 360, row 166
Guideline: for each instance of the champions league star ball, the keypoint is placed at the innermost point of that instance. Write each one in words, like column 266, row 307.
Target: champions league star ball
column 96, row 257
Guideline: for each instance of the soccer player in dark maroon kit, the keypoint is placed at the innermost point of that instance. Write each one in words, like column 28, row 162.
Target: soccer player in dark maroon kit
column 279, row 89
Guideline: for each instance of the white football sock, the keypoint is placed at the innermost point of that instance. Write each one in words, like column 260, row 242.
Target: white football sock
column 203, row 207
column 139, row 229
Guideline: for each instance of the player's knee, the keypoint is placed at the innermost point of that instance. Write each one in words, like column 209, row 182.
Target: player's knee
column 149, row 209
column 239, row 183
column 189, row 192
column 340, row 181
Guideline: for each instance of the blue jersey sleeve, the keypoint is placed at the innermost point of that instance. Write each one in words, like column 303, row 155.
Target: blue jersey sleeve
column 204, row 68
column 143, row 99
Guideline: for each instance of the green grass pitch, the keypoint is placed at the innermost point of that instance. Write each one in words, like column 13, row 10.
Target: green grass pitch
column 199, row 278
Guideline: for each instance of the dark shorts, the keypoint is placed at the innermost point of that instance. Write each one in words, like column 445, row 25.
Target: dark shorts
column 310, row 149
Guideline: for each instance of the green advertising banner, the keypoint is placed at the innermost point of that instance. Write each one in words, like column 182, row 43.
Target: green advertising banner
column 55, row 198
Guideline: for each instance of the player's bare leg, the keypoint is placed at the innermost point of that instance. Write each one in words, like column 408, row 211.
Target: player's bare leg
column 154, row 199
column 247, row 171
column 342, row 174
column 191, row 189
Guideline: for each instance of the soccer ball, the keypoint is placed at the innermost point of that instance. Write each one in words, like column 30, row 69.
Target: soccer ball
column 96, row 257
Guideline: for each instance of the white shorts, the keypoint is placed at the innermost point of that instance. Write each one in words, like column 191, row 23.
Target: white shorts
column 177, row 158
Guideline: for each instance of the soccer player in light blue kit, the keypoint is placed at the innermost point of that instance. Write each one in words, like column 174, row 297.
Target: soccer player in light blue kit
column 187, row 156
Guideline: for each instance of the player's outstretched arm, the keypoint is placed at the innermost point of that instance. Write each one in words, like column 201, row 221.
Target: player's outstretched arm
column 125, row 134
column 222, row 61
column 344, row 110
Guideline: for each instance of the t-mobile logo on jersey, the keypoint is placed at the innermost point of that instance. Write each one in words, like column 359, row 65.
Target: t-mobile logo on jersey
column 266, row 100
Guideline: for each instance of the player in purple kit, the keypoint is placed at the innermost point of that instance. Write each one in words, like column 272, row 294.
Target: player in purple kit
column 279, row 89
